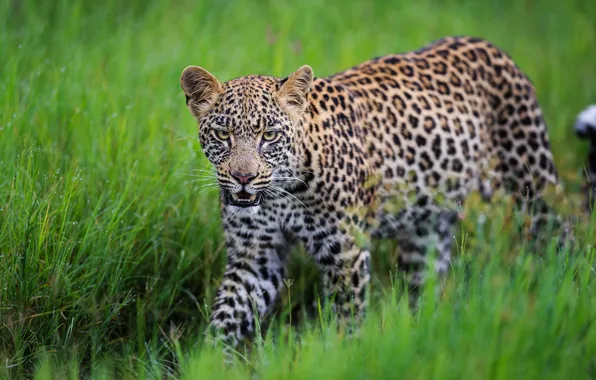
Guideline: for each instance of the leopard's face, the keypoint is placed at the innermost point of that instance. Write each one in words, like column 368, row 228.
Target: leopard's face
column 247, row 128
column 247, row 136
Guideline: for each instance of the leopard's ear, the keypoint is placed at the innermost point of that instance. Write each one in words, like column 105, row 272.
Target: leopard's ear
column 201, row 89
column 292, row 93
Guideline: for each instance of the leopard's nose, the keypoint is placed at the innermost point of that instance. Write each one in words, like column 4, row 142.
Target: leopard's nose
column 243, row 178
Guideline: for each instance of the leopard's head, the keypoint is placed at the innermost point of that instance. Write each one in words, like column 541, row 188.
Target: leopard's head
column 247, row 128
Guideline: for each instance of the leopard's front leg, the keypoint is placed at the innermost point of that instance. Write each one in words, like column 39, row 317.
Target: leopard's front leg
column 251, row 282
column 346, row 273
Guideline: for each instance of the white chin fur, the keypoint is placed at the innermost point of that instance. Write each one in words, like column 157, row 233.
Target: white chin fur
column 252, row 210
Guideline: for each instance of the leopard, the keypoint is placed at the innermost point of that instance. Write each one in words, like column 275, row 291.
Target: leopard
column 387, row 149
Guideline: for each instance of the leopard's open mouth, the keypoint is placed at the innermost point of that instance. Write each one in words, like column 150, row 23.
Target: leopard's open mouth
column 244, row 199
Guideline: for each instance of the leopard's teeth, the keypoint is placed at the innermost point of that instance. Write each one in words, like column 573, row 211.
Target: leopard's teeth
column 237, row 198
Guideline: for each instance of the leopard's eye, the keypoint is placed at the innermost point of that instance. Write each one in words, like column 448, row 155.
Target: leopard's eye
column 270, row 135
column 221, row 134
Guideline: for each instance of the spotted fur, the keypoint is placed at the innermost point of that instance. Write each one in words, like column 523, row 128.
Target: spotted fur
column 389, row 148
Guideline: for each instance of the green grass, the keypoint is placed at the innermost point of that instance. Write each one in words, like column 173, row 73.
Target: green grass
column 110, row 252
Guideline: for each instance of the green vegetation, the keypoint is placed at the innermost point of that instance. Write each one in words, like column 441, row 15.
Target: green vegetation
column 110, row 243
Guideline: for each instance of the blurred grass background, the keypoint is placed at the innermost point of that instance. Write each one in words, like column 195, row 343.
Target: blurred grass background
column 110, row 252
